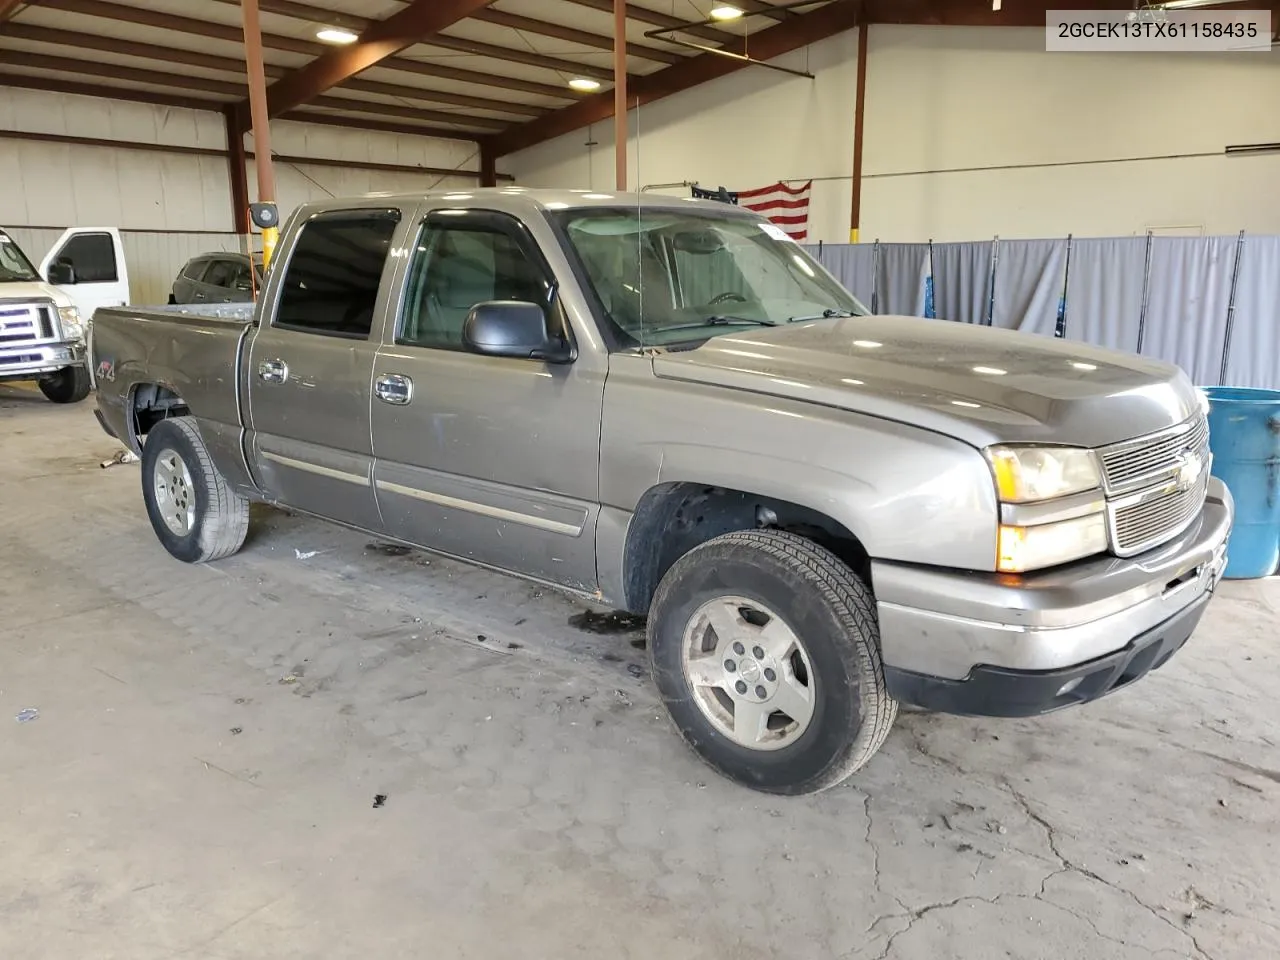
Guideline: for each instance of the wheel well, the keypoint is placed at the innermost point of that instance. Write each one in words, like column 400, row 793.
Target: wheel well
column 151, row 404
column 673, row 518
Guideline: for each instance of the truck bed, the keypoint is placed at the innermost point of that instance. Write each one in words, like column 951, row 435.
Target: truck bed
column 191, row 351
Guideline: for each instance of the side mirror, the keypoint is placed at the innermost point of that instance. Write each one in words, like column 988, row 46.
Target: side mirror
column 62, row 272
column 513, row 328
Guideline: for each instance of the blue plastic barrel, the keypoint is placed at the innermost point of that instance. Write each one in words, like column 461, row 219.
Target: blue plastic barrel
column 1244, row 436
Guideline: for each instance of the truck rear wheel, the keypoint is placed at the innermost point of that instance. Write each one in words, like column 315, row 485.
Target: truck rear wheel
column 194, row 512
column 765, row 648
column 70, row 385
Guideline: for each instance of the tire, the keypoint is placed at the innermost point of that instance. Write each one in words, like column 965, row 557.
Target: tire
column 194, row 512
column 834, row 670
column 68, row 385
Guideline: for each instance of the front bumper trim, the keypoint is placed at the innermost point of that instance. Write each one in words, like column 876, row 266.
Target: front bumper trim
column 999, row 692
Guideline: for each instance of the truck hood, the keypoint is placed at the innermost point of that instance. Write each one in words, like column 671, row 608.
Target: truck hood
column 977, row 384
column 33, row 290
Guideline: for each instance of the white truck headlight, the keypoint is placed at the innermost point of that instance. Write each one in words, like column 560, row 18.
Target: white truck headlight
column 1031, row 474
column 72, row 328
column 1051, row 506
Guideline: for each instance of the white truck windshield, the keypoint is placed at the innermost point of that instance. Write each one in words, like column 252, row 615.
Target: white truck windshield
column 14, row 265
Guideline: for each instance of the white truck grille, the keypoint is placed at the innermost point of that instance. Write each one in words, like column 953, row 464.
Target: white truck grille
column 1155, row 485
column 24, row 323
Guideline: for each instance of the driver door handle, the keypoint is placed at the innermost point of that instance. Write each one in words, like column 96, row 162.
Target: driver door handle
column 273, row 371
column 393, row 388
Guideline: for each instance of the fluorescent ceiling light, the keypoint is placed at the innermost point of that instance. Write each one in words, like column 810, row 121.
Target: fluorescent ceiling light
column 1185, row 4
column 584, row 84
column 336, row 35
column 725, row 12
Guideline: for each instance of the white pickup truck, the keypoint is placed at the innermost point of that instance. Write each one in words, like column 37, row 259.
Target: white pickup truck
column 43, row 312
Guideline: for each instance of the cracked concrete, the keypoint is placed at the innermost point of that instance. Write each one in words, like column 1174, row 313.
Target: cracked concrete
column 201, row 776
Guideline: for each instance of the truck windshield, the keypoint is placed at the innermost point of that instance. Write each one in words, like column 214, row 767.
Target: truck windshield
column 664, row 277
column 14, row 265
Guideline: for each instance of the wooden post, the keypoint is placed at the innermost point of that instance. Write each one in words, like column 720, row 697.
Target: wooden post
column 860, row 100
column 620, row 93
column 260, row 124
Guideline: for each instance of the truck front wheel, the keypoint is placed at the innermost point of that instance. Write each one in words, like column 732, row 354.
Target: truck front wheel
column 69, row 385
column 765, row 648
column 193, row 510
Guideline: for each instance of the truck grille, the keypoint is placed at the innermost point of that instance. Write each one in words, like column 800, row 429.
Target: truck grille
column 24, row 323
column 1137, row 463
column 1145, row 524
column 1156, row 485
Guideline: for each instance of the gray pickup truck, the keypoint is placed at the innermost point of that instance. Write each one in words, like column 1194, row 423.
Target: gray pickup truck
column 667, row 406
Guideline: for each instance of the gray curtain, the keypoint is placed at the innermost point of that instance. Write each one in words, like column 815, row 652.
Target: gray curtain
column 853, row 264
column 1188, row 294
column 900, row 278
column 1104, row 291
column 1253, row 354
column 1028, row 285
column 962, row 281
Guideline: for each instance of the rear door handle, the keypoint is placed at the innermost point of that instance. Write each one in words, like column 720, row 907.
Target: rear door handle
column 393, row 388
column 273, row 371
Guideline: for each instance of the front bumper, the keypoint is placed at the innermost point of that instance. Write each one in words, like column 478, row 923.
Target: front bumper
column 29, row 361
column 996, row 645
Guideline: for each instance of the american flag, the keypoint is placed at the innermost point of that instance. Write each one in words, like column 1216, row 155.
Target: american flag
column 785, row 204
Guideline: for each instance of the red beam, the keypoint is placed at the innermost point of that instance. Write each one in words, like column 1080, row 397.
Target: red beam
column 8, row 8
column 794, row 33
column 859, row 108
column 571, row 35
column 382, row 39
column 237, row 174
column 107, row 93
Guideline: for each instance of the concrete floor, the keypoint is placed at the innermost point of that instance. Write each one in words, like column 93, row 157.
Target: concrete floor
column 200, row 780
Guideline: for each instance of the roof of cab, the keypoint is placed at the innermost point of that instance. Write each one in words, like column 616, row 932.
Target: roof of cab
column 542, row 198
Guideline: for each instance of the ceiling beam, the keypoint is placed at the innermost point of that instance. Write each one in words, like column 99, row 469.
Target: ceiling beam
column 229, row 89
column 8, row 8
column 112, row 71
column 103, row 9
column 80, row 89
column 796, row 32
column 350, row 21
column 526, row 57
column 151, row 51
column 570, row 35
column 379, row 126
column 657, row 18
column 381, row 39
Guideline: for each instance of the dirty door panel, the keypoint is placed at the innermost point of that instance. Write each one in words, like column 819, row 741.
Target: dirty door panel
column 487, row 458
column 309, row 371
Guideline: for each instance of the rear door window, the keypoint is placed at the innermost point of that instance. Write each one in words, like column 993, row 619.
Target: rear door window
column 330, row 286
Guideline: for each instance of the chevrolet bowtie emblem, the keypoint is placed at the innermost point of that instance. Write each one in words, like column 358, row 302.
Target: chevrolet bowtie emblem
column 1190, row 465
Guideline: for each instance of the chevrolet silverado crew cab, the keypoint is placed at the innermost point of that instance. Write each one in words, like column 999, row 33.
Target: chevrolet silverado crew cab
column 41, row 323
column 668, row 406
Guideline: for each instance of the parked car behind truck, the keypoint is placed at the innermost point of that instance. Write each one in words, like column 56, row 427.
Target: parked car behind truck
column 667, row 406
column 218, row 278
column 42, row 322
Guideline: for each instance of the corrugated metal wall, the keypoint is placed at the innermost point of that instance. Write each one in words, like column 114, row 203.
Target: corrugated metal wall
column 171, row 207
column 153, row 259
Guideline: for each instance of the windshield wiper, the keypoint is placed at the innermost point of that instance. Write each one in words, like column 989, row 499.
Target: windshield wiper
column 828, row 314
column 718, row 321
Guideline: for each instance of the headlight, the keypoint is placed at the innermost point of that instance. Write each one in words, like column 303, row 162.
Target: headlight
column 1051, row 508
column 1048, row 544
column 1029, row 474
column 72, row 328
